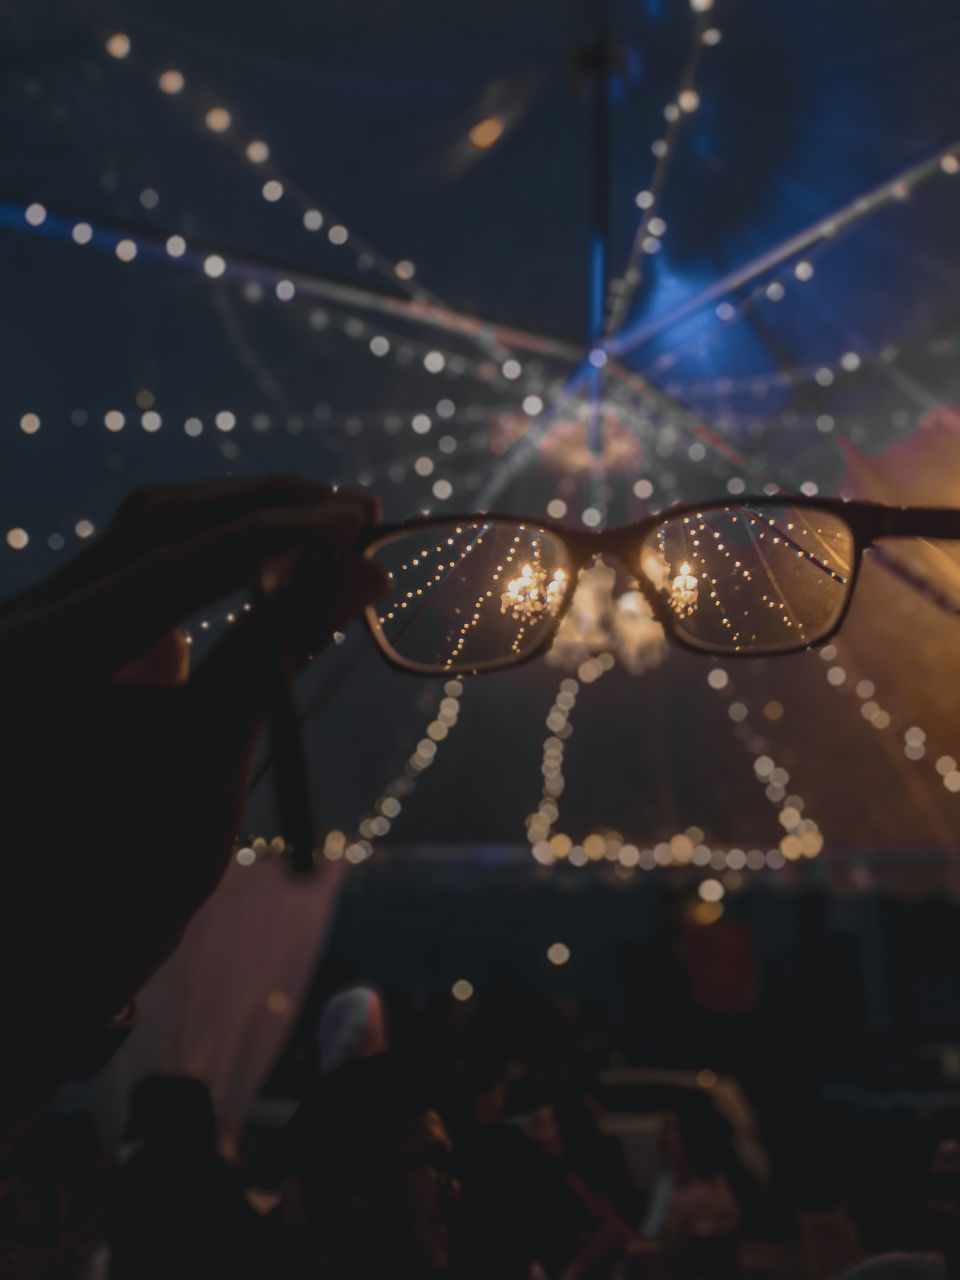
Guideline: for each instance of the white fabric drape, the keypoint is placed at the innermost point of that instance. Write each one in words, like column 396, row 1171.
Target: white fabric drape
column 222, row 1006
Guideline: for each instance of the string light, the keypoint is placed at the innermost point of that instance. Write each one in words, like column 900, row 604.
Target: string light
column 850, row 362
column 802, row 838
column 218, row 119
column 647, row 239
column 171, row 81
column 916, row 745
column 118, row 45
column 387, row 808
column 485, row 133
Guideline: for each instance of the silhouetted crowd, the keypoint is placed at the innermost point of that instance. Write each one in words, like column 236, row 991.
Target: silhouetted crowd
column 394, row 1164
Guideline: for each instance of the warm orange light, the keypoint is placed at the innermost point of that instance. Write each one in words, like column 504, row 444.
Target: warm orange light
column 218, row 119
column 706, row 913
column 486, row 132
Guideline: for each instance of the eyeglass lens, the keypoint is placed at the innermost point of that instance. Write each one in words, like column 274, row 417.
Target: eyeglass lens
column 472, row 594
column 751, row 579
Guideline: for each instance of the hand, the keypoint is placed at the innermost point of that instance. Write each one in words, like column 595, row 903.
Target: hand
column 124, row 777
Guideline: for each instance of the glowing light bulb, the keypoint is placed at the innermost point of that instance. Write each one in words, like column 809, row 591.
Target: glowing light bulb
column 486, row 132
column 118, row 46
column 684, row 590
column 171, row 82
column 218, row 119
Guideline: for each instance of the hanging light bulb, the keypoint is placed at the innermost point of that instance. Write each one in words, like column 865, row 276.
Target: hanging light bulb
column 683, row 592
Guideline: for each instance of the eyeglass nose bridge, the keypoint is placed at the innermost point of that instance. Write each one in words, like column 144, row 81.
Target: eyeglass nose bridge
column 623, row 547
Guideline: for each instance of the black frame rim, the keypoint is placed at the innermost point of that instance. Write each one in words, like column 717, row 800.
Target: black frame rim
column 867, row 522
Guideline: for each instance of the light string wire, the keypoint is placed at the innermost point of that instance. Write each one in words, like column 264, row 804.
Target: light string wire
column 802, row 839
column 683, row 104
column 820, row 233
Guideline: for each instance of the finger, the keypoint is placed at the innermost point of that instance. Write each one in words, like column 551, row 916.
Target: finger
column 188, row 509
column 165, row 515
column 115, row 619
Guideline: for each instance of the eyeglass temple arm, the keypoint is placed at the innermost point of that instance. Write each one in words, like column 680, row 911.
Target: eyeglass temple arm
column 918, row 581
column 914, row 522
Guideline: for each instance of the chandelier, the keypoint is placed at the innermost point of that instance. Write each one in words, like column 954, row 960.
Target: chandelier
column 597, row 623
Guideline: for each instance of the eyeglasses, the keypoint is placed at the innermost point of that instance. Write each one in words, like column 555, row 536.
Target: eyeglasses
column 755, row 576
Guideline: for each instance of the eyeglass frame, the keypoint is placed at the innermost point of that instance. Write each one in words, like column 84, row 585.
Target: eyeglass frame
column 867, row 522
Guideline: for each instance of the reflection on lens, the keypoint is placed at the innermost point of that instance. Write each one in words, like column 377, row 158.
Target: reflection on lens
column 469, row 596
column 757, row 579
